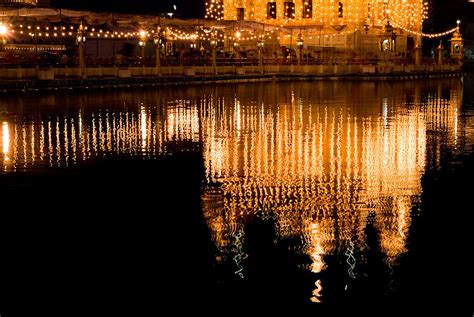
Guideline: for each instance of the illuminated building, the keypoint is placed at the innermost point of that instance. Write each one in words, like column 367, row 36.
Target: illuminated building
column 362, row 27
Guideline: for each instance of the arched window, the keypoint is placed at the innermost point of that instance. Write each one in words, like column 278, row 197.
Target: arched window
column 289, row 10
column 307, row 9
column 341, row 9
column 456, row 48
column 271, row 10
column 240, row 14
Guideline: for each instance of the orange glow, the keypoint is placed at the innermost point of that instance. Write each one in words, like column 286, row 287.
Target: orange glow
column 290, row 155
column 313, row 167
column 3, row 30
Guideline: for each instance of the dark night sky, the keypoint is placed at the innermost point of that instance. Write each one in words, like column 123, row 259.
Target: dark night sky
column 186, row 8
column 444, row 12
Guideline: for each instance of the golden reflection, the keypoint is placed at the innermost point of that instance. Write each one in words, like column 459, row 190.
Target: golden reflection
column 322, row 161
column 324, row 170
column 5, row 141
column 143, row 129
column 316, row 298
column 316, row 250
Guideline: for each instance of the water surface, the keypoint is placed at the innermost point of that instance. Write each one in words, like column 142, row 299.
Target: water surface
column 316, row 195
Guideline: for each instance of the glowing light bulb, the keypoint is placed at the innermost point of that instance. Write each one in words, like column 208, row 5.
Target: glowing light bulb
column 3, row 29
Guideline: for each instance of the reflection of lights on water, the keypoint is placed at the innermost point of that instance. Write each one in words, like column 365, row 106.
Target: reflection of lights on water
column 182, row 121
column 456, row 126
column 297, row 162
column 6, row 140
column 316, row 298
column 350, row 260
column 316, row 167
column 66, row 139
column 143, row 128
column 385, row 111
column 239, row 251
column 58, row 143
column 238, row 120
column 316, row 251
column 63, row 140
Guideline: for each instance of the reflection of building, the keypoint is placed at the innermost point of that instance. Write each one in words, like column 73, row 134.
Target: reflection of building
column 320, row 170
column 357, row 26
column 85, row 135
column 322, row 160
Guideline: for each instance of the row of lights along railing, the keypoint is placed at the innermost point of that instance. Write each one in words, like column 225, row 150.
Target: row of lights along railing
column 143, row 37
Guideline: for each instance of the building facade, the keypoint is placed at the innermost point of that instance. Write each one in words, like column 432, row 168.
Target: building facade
column 362, row 27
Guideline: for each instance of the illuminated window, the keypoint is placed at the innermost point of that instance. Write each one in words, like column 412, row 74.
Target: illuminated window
column 271, row 10
column 289, row 10
column 240, row 14
column 307, row 9
column 341, row 10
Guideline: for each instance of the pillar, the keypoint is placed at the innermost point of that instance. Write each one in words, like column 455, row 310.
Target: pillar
column 82, row 65
column 417, row 55
column 440, row 53
column 214, row 60
column 418, row 51
column 158, row 60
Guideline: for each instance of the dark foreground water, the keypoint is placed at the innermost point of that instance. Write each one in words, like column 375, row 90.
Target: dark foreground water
column 322, row 197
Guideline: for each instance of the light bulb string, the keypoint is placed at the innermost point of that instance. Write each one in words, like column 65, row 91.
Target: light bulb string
column 428, row 35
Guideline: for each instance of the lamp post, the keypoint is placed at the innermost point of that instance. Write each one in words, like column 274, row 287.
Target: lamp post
column 300, row 43
column 157, row 42
column 80, row 41
column 142, row 44
column 440, row 53
column 213, row 47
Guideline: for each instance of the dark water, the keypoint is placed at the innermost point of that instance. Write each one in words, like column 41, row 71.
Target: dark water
column 322, row 197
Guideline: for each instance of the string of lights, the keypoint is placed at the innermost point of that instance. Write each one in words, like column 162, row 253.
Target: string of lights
column 345, row 18
column 176, row 34
column 428, row 35
column 93, row 32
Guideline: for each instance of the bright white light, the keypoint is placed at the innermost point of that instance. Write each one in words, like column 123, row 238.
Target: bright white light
column 142, row 33
column 3, row 29
column 5, row 140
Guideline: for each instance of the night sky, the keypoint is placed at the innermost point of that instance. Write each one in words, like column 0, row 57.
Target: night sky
column 444, row 13
column 186, row 8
